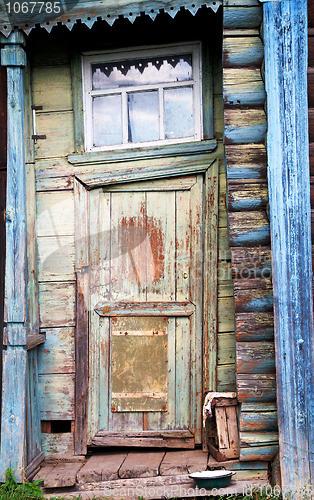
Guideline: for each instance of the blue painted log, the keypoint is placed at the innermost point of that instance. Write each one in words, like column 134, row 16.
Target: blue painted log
column 285, row 37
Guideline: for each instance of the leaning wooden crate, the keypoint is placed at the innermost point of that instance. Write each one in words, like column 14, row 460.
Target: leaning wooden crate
column 221, row 429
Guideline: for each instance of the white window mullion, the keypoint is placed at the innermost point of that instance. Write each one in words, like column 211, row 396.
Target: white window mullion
column 125, row 130
column 161, row 114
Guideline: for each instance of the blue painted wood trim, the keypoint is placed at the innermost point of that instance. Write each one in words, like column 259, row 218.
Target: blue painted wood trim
column 285, row 38
column 13, row 418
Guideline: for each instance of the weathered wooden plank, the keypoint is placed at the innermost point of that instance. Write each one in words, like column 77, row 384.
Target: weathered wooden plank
column 259, row 453
column 155, row 168
column 146, row 442
column 248, row 262
column 244, row 196
column 105, row 308
column 226, row 348
column 13, row 412
column 44, row 471
column 101, row 467
column 141, row 464
column 33, row 437
column 242, row 52
column 226, row 378
column 111, row 157
column 256, row 387
column 55, row 214
column 236, row 17
column 255, row 357
column 222, row 429
column 32, row 272
column 57, row 304
column 63, row 475
column 57, row 355
column 287, row 148
column 56, row 394
column 82, row 305
column 183, row 462
column 51, row 88
column 226, row 315
column 246, row 161
column 210, row 316
column 244, row 125
column 254, row 327
column 58, row 128
column 243, row 87
column 223, row 244
column 253, row 295
column 248, row 228
column 60, row 183
column 232, row 424
column 57, row 444
column 251, row 475
column 56, row 258
column 258, row 421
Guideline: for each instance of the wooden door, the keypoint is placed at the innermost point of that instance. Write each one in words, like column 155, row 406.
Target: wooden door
column 145, row 301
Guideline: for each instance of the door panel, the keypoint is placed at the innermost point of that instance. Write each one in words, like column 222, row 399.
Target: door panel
column 146, row 258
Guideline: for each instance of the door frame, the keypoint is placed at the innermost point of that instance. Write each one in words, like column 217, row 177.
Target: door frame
column 103, row 174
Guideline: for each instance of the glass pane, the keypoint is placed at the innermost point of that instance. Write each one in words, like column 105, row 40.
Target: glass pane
column 179, row 112
column 107, row 120
column 142, row 71
column 143, row 116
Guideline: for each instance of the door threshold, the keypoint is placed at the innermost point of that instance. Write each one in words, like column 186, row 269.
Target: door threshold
column 153, row 439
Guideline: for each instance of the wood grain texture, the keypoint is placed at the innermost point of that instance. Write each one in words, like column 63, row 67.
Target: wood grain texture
column 261, row 421
column 256, row 387
column 59, row 130
column 253, row 295
column 237, row 17
column 248, row 228
column 244, row 125
column 242, row 52
column 101, row 467
column 33, row 431
column 255, row 357
column 288, row 162
column 57, row 304
column 254, row 326
column 246, row 195
column 57, row 444
column 251, row 262
column 246, row 161
column 56, row 392
column 56, row 355
column 243, row 87
column 141, row 464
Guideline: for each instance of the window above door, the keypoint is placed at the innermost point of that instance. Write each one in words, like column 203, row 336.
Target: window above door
column 136, row 98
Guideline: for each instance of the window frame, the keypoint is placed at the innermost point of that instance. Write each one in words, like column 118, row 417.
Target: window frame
column 89, row 58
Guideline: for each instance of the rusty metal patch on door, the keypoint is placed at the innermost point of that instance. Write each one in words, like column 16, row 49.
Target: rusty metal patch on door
column 139, row 364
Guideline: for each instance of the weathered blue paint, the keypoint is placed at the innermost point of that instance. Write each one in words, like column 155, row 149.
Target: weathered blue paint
column 285, row 37
column 14, row 373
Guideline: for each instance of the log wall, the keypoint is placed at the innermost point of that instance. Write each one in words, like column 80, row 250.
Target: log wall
column 249, row 234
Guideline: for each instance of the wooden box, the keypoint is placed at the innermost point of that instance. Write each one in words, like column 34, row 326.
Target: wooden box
column 223, row 434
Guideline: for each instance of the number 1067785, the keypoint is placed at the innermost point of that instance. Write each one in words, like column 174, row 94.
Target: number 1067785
column 33, row 7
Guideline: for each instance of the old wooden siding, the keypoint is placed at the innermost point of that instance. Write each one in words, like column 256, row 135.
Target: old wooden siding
column 249, row 235
column 3, row 182
column 51, row 89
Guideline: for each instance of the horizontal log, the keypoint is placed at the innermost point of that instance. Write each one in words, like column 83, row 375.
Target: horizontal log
column 258, row 438
column 311, row 48
column 258, row 421
column 242, row 51
column 245, row 126
column 247, row 196
column 310, row 87
column 105, row 308
column 253, row 295
column 256, row 387
column 245, row 17
column 248, row 229
column 311, row 148
column 145, row 442
column 250, row 262
column 258, row 407
column 254, row 327
column 311, row 124
column 310, row 13
column 243, row 87
column 259, row 453
column 247, row 155
column 255, row 357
